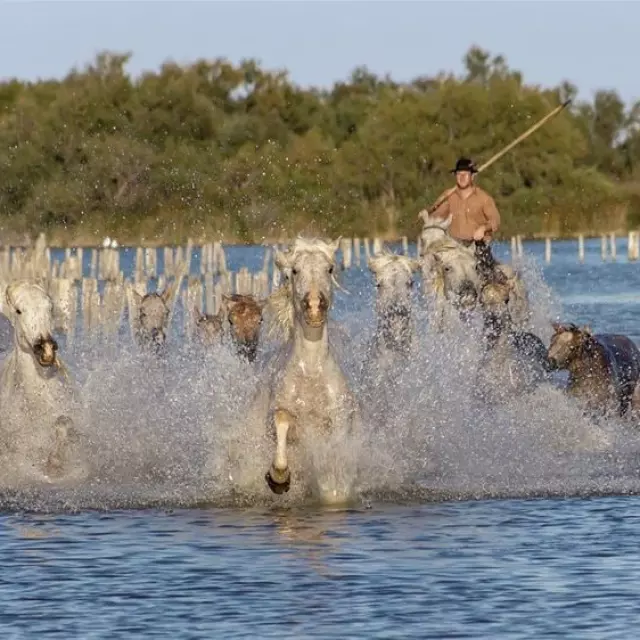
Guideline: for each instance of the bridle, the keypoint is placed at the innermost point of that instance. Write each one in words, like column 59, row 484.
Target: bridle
column 434, row 226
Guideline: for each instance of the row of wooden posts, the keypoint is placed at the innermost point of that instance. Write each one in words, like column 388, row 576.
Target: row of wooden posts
column 608, row 247
column 102, row 298
column 104, row 263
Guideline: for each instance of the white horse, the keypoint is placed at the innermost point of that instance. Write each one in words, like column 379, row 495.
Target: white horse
column 388, row 350
column 453, row 274
column 394, row 282
column 37, row 403
column 305, row 397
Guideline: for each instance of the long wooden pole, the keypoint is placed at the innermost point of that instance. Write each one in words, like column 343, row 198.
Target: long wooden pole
column 508, row 148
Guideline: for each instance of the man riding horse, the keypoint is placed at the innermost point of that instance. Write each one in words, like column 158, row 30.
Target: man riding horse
column 475, row 217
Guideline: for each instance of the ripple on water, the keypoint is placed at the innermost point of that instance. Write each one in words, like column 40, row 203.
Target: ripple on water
column 503, row 569
column 411, row 566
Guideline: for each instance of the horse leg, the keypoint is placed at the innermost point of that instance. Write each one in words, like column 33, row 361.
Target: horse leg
column 65, row 434
column 279, row 477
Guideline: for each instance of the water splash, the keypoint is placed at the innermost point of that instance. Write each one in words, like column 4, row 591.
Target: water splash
column 163, row 432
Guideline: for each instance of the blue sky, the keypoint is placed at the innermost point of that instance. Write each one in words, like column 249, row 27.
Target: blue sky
column 591, row 44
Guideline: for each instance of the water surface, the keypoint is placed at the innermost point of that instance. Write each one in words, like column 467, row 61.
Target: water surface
column 387, row 567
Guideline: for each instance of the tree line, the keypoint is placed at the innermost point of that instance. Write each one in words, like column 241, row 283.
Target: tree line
column 241, row 153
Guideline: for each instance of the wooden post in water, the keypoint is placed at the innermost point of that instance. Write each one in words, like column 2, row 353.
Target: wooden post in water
column 377, row 246
column 519, row 243
column 356, row 251
column 514, row 248
column 547, row 250
column 345, row 246
column 150, row 255
column 612, row 242
column 405, row 245
column 603, row 247
column 632, row 246
column 581, row 248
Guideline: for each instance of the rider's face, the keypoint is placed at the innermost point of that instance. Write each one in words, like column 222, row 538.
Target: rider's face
column 463, row 179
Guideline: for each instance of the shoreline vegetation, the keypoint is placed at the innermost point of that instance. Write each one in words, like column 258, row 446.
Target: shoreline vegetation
column 235, row 153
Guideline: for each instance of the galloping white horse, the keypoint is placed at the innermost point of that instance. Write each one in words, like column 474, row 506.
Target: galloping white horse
column 37, row 429
column 394, row 284
column 306, row 394
column 454, row 273
column 388, row 351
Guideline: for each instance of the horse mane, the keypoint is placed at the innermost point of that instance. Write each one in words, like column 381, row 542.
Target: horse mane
column 446, row 243
column 385, row 257
column 280, row 317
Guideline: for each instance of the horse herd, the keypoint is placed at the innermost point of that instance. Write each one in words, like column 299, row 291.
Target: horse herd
column 303, row 389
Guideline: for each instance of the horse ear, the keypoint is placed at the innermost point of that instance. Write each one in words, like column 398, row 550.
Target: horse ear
column 262, row 303
column 424, row 216
column 169, row 291
column 281, row 260
column 229, row 301
column 557, row 327
column 335, row 245
column 8, row 294
column 414, row 264
column 586, row 329
column 196, row 314
column 446, row 223
column 371, row 263
column 137, row 297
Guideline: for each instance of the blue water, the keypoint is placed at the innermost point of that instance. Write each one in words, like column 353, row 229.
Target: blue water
column 540, row 568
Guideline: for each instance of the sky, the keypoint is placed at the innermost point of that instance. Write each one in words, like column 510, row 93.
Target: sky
column 591, row 44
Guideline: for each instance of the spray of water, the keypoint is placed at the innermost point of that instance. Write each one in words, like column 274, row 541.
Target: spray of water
column 177, row 429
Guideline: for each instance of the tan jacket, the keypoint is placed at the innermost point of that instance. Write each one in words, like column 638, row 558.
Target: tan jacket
column 469, row 213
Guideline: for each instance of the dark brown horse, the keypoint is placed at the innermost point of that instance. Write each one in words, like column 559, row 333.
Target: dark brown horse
column 603, row 368
column 243, row 314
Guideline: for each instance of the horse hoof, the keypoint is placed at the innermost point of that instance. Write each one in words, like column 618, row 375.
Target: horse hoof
column 278, row 486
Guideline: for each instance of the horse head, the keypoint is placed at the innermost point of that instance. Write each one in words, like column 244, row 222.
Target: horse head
column 567, row 343
column 455, row 266
column 309, row 269
column 244, row 314
column 394, row 281
column 153, row 315
column 30, row 310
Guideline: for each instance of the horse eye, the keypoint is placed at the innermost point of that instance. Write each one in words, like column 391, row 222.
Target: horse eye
column 410, row 284
column 294, row 272
column 331, row 269
column 18, row 311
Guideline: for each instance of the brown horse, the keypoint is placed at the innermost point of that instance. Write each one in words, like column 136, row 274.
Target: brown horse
column 603, row 369
column 244, row 316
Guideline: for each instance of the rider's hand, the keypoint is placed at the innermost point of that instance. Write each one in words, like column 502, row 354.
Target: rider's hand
column 479, row 233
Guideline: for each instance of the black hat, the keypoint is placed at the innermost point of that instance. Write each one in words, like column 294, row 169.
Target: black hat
column 464, row 164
